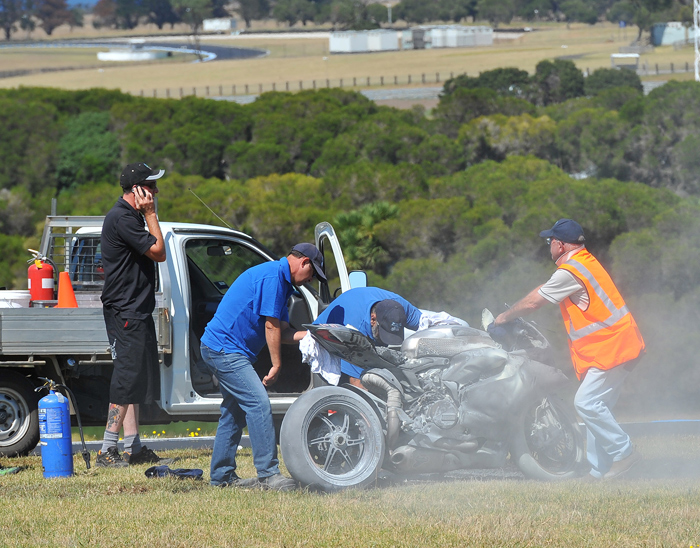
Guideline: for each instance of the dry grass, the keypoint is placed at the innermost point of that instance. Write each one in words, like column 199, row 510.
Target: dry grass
column 659, row 505
column 292, row 60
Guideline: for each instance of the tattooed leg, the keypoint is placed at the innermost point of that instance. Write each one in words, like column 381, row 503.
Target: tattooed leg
column 115, row 417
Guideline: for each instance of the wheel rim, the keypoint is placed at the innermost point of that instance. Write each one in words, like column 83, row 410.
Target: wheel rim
column 14, row 416
column 551, row 439
column 341, row 445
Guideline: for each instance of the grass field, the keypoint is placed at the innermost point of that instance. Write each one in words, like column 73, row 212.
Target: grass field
column 657, row 505
column 293, row 60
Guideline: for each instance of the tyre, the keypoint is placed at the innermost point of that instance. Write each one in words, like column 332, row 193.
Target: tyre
column 548, row 444
column 332, row 439
column 19, row 418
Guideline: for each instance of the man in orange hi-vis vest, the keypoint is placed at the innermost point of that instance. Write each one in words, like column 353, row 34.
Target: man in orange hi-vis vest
column 604, row 342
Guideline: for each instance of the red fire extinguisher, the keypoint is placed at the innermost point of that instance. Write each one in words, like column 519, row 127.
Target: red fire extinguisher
column 40, row 278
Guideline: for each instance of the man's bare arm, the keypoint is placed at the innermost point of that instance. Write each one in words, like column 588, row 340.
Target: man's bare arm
column 291, row 335
column 273, row 336
column 529, row 303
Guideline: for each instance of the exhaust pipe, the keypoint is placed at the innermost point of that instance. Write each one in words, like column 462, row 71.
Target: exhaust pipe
column 393, row 401
column 416, row 460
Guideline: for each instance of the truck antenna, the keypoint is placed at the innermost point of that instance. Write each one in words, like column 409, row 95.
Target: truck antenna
column 210, row 209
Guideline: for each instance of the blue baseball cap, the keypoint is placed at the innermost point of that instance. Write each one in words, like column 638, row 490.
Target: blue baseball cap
column 316, row 257
column 565, row 230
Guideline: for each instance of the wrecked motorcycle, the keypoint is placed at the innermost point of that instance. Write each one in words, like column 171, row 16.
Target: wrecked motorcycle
column 451, row 398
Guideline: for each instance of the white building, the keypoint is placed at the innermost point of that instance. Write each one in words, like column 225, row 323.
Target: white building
column 363, row 41
column 446, row 36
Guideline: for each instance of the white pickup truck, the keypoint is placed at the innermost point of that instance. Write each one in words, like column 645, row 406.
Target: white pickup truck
column 70, row 345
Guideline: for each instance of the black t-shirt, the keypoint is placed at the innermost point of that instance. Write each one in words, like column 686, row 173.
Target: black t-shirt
column 130, row 276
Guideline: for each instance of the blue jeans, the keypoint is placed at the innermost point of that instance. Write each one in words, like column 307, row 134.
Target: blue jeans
column 245, row 401
column 594, row 401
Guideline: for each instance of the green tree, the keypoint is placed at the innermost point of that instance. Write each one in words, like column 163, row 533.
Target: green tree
column 356, row 230
column 616, row 98
column 496, row 11
column 190, row 134
column 27, row 21
column 605, row 78
column 497, row 136
column 415, row 11
column 505, row 81
column 291, row 11
column 88, row 151
column 283, row 209
column 456, row 10
column 28, row 156
column 13, row 268
column 557, row 81
column 590, row 142
column 76, row 17
column 10, row 13
column 388, row 137
column 363, row 183
column 352, row 15
column 105, row 14
column 579, row 11
column 253, row 9
column 654, row 151
column 642, row 13
column 291, row 130
column 161, row 13
column 52, row 14
column 129, row 12
column 464, row 104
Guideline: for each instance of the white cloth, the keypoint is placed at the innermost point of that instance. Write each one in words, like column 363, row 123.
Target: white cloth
column 429, row 319
column 319, row 359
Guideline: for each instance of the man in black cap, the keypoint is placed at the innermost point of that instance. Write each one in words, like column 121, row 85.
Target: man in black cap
column 604, row 342
column 377, row 313
column 253, row 313
column 131, row 244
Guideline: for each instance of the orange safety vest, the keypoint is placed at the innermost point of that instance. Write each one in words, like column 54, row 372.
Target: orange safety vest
column 605, row 334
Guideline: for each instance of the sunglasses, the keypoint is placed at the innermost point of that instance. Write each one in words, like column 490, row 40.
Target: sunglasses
column 549, row 241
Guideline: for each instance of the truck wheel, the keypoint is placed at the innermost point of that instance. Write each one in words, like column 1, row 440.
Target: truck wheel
column 19, row 418
column 332, row 439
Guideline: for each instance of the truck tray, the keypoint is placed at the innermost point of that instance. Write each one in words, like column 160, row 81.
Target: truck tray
column 52, row 331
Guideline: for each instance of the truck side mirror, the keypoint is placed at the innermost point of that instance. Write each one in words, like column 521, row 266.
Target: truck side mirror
column 358, row 278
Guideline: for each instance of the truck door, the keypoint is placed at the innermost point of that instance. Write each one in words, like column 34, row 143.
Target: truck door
column 334, row 265
column 213, row 265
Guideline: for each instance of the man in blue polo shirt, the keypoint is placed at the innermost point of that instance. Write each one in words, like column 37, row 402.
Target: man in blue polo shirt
column 253, row 313
column 374, row 312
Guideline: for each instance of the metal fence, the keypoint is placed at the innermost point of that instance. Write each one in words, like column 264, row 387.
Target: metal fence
column 232, row 90
column 227, row 90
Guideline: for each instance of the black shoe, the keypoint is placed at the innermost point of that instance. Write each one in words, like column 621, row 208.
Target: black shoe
column 145, row 456
column 110, row 459
column 621, row 467
column 274, row 483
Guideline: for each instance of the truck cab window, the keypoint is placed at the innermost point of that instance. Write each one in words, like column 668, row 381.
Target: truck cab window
column 218, row 263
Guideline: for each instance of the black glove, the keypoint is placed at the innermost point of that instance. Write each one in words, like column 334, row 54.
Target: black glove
column 497, row 332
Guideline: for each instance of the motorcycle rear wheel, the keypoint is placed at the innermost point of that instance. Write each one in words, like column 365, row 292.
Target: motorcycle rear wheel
column 331, row 439
column 548, row 444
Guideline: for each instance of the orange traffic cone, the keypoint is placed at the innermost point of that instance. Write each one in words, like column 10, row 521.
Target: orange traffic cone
column 66, row 295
